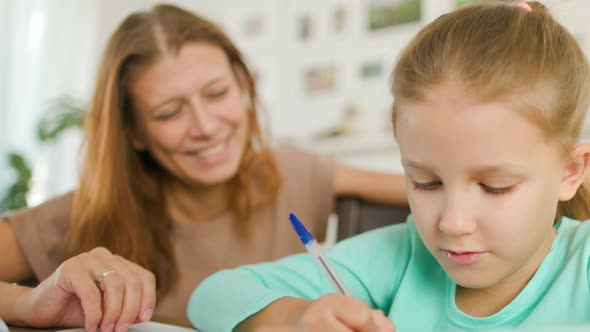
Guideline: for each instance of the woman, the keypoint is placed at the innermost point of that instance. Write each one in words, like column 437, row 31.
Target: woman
column 177, row 183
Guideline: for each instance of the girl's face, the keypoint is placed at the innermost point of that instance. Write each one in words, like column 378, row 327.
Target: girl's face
column 483, row 185
column 190, row 116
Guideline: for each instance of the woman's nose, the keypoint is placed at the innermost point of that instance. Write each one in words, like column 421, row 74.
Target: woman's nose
column 203, row 122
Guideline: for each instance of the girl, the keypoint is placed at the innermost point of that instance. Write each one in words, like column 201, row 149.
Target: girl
column 489, row 102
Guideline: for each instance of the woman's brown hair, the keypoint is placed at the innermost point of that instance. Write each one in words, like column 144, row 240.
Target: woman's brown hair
column 501, row 49
column 119, row 203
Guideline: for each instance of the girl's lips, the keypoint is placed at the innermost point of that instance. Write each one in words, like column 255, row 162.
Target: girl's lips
column 464, row 258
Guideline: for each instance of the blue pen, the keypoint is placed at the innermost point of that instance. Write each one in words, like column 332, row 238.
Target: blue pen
column 318, row 255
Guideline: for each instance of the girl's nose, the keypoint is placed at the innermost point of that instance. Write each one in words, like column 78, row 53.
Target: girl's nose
column 455, row 219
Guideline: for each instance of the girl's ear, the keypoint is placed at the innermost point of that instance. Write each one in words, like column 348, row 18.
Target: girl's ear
column 575, row 172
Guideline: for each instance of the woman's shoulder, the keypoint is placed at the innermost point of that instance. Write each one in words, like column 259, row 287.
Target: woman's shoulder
column 292, row 159
column 56, row 209
column 40, row 232
column 292, row 153
column 306, row 187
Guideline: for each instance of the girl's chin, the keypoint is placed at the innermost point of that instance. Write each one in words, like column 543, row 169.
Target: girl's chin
column 472, row 281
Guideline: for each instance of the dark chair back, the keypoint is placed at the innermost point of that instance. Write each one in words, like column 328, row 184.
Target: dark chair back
column 356, row 215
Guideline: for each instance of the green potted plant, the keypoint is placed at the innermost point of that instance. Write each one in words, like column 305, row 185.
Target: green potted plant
column 62, row 114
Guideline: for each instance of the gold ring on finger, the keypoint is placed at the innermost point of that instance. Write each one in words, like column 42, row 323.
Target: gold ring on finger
column 101, row 276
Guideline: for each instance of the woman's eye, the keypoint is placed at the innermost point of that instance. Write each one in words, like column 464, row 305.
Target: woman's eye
column 496, row 190
column 218, row 93
column 427, row 185
column 168, row 114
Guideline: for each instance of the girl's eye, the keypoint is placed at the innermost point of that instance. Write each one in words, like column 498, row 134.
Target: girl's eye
column 427, row 185
column 496, row 191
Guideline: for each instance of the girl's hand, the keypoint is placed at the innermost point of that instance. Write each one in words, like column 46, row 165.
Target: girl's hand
column 94, row 289
column 335, row 312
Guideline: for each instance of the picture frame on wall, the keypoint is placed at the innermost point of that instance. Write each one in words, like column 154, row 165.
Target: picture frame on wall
column 319, row 80
column 339, row 19
column 373, row 69
column 304, row 27
column 383, row 14
column 253, row 26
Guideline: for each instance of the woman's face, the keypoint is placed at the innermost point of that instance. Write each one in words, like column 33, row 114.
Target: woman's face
column 189, row 114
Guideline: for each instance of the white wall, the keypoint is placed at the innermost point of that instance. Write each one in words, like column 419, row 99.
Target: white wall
column 53, row 50
column 53, row 46
column 48, row 57
column 5, row 33
column 295, row 116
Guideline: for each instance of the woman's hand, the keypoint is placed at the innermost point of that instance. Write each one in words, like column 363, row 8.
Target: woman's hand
column 94, row 289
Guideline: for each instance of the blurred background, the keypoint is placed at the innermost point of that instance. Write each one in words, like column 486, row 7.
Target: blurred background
column 321, row 66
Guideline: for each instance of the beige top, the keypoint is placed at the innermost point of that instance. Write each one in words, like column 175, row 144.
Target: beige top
column 203, row 248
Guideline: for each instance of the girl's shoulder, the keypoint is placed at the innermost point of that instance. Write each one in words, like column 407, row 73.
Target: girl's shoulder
column 399, row 240
column 575, row 232
column 573, row 244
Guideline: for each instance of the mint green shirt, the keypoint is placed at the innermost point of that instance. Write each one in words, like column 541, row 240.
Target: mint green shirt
column 390, row 269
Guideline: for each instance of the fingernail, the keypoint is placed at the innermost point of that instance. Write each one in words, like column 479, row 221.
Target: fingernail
column 147, row 315
column 108, row 328
column 122, row 327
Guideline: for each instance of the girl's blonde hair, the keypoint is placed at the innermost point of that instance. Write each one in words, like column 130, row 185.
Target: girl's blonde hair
column 119, row 203
column 500, row 49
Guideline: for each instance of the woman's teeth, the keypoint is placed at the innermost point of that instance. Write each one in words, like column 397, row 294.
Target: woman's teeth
column 211, row 151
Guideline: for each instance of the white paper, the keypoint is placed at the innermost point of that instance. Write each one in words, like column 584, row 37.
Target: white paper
column 146, row 327
column 3, row 327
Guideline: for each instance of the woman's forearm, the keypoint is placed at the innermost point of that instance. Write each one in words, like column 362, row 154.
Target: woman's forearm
column 372, row 186
column 9, row 302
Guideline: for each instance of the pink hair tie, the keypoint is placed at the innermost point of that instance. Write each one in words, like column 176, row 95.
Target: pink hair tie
column 524, row 6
